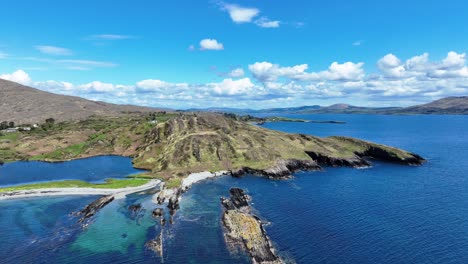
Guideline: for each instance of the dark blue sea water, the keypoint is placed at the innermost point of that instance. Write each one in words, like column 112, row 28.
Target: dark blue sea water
column 94, row 170
column 386, row 214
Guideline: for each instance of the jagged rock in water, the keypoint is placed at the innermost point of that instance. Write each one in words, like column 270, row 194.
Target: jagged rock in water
column 173, row 203
column 134, row 207
column 238, row 198
column 246, row 229
column 156, row 245
column 92, row 208
column 136, row 212
column 158, row 212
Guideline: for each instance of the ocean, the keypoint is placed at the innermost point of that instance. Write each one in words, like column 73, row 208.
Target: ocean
column 385, row 214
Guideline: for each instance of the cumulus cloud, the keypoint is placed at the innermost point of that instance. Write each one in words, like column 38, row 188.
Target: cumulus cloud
column 18, row 76
column 229, row 87
column 53, row 50
column 348, row 71
column 452, row 66
column 211, row 44
column 396, row 80
column 240, row 14
column 236, row 73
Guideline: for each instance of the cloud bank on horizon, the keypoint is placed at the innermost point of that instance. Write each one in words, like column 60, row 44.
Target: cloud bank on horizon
column 273, row 84
column 246, row 56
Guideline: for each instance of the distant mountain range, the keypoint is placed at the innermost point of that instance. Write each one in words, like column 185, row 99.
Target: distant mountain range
column 448, row 105
column 22, row 104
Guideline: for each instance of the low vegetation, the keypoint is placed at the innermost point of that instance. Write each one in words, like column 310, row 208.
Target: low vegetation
column 173, row 145
column 108, row 184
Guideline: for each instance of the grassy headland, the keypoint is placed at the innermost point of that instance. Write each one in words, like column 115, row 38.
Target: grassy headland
column 108, row 184
column 173, row 145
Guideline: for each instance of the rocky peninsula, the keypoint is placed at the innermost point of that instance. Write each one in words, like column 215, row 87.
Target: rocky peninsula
column 246, row 230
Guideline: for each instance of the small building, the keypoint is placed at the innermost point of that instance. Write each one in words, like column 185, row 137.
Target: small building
column 10, row 130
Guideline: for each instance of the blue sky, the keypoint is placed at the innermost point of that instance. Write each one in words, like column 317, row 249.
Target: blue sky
column 248, row 53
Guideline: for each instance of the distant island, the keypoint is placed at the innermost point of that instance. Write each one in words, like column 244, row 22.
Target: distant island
column 449, row 105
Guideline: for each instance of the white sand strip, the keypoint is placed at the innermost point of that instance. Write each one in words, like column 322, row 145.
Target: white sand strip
column 118, row 193
column 196, row 177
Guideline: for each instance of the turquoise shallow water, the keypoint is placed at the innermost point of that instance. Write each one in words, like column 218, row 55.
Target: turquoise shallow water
column 385, row 214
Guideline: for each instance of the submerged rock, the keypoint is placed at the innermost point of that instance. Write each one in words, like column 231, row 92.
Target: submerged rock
column 246, row 230
column 156, row 245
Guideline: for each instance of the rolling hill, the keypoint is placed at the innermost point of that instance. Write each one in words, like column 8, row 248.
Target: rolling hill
column 22, row 104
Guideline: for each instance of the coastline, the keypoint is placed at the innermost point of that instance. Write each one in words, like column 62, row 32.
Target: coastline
column 47, row 192
column 200, row 176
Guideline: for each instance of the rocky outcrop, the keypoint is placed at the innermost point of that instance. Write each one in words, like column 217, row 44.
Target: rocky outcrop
column 384, row 155
column 92, row 208
column 282, row 170
column 328, row 161
column 156, row 245
column 246, row 230
column 158, row 212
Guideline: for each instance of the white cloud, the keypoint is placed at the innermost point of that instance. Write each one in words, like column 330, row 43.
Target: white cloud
column 151, row 85
column 266, row 71
column 267, row 23
column 453, row 61
column 90, row 63
column 211, row 44
column 232, row 87
column 111, row 37
column 240, row 14
column 3, row 55
column 409, row 81
column 18, row 76
column 452, row 66
column 52, row 50
column 236, row 73
column 391, row 66
column 72, row 64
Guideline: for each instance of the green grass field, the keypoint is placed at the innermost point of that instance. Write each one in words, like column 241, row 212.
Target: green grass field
column 109, row 184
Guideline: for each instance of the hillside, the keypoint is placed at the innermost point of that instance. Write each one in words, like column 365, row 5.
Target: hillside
column 180, row 144
column 22, row 104
column 448, row 105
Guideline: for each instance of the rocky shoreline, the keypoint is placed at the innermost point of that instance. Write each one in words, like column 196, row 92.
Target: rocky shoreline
column 246, row 230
